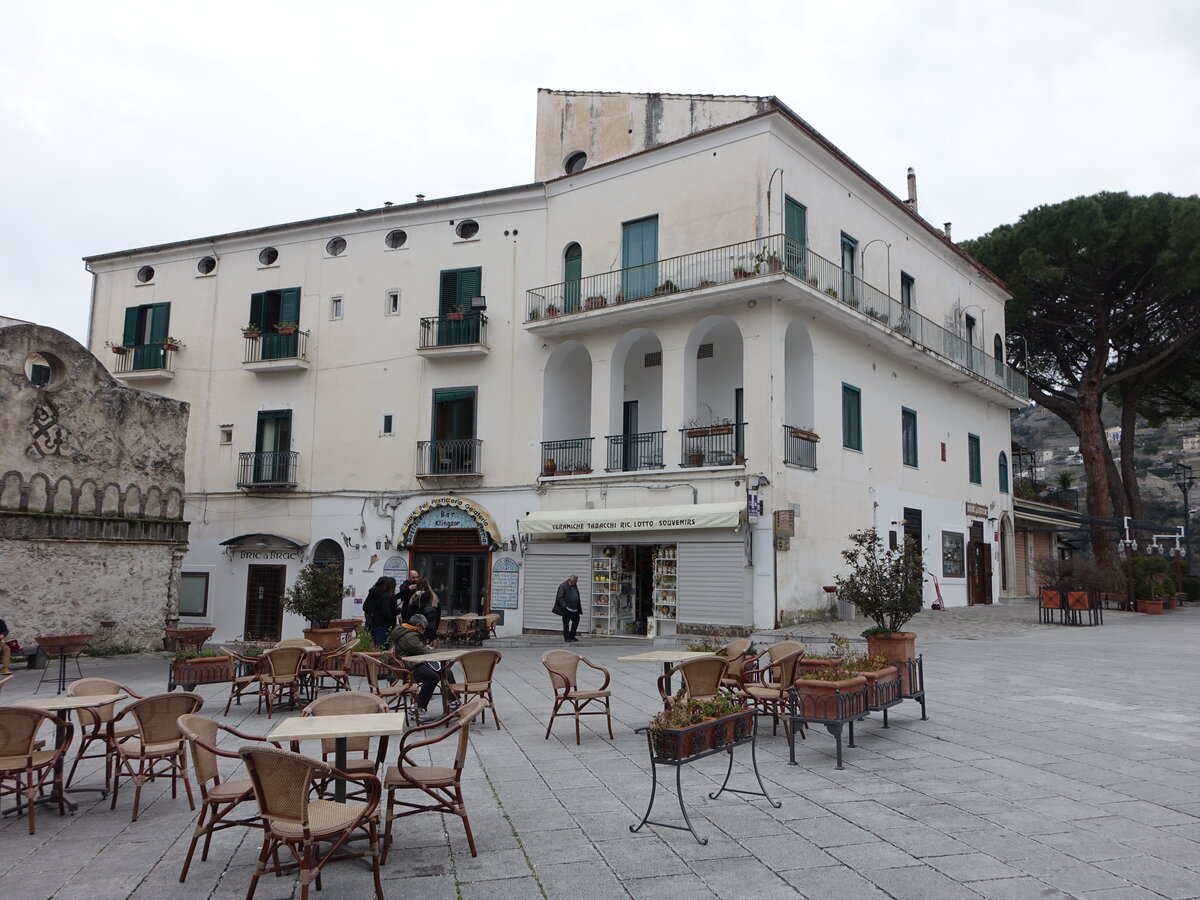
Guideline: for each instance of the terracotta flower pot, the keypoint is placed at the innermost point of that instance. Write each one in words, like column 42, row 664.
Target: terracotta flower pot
column 831, row 699
column 897, row 648
column 325, row 638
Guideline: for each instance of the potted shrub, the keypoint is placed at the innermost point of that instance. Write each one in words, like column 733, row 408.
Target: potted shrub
column 886, row 586
column 117, row 349
column 552, row 310
column 217, row 664
column 741, row 272
column 317, row 595
column 691, row 727
column 831, row 694
column 170, row 343
column 595, row 302
column 251, row 331
column 190, row 635
column 286, row 327
column 549, row 467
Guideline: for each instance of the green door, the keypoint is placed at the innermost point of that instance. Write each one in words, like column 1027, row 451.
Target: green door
column 267, row 310
column 572, row 272
column 457, row 322
column 795, row 232
column 272, row 446
column 639, row 258
column 452, row 449
column 145, row 329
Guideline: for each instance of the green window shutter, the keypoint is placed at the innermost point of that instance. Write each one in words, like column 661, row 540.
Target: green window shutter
column 639, row 248
column 130, row 336
column 446, row 396
column 470, row 284
column 795, row 221
column 572, row 272
column 289, row 305
column 974, row 464
column 851, row 417
column 258, row 304
column 39, row 374
column 1003, row 472
column 908, row 428
column 160, row 322
column 448, row 291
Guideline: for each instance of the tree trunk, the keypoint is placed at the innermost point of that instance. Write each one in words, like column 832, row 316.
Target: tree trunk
column 1091, row 446
column 1133, row 496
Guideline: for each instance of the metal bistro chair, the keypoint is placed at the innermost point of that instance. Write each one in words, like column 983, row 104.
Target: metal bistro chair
column 491, row 620
column 93, row 723
column 441, row 785
column 477, row 669
column 283, row 784
column 217, row 798
column 157, row 750
column 563, row 666
column 25, row 767
column 701, row 679
column 244, row 679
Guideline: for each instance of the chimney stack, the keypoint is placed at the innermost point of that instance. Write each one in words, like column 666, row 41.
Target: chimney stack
column 946, row 228
column 912, row 189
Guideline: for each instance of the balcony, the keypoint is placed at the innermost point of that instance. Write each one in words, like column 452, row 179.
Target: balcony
column 702, row 280
column 458, row 335
column 267, row 470
column 145, row 362
column 273, row 352
column 634, row 452
column 800, row 447
column 459, row 457
column 572, row 456
column 712, row 445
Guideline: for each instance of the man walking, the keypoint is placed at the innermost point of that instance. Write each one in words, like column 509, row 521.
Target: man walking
column 567, row 605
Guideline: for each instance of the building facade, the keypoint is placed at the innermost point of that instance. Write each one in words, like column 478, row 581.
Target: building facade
column 684, row 364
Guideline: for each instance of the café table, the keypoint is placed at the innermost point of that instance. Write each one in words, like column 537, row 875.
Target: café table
column 64, row 705
column 668, row 658
column 340, row 728
column 438, row 656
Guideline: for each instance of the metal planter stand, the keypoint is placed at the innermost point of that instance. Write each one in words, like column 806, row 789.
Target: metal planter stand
column 683, row 738
column 847, row 708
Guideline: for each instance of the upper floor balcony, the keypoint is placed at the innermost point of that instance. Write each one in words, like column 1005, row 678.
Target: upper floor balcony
column 275, row 351
column 267, row 470
column 455, row 457
column 145, row 362
column 454, row 334
column 704, row 278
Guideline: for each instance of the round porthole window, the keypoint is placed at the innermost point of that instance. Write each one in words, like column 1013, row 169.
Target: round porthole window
column 267, row 256
column 336, row 246
column 467, row 229
column 395, row 239
column 207, row 265
column 145, row 274
column 575, row 162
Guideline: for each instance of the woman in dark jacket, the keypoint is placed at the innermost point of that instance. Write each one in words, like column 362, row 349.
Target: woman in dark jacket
column 379, row 609
column 424, row 599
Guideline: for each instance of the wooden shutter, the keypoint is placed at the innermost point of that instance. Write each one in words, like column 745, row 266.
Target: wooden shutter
column 258, row 303
column 130, row 336
column 289, row 305
column 160, row 322
column 448, row 291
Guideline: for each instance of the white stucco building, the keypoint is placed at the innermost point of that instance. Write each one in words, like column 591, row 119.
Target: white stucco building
column 684, row 363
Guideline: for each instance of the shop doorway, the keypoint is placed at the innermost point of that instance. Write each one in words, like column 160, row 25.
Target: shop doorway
column 979, row 567
column 631, row 587
column 264, row 603
column 457, row 568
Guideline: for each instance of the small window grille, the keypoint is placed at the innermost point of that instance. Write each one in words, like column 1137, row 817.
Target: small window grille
column 335, row 307
column 704, row 351
column 388, row 427
column 393, row 303
column 653, row 359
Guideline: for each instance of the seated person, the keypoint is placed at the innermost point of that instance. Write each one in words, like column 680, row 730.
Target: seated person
column 407, row 641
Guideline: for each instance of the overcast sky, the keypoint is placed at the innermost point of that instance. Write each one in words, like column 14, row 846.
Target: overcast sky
column 125, row 124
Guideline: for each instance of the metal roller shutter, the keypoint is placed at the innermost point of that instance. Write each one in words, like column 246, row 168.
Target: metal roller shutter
column 712, row 584
column 545, row 569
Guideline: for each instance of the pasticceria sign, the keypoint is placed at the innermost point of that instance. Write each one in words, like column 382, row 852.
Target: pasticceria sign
column 450, row 512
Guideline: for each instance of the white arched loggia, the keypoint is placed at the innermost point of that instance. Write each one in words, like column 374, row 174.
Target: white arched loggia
column 567, row 410
column 635, row 409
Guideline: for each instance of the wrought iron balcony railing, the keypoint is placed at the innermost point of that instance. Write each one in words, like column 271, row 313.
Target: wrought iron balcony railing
column 267, row 469
column 799, row 447
column 712, row 445
column 453, row 330
column 276, row 346
column 144, row 357
column 572, row 456
column 771, row 255
column 460, row 456
column 631, row 452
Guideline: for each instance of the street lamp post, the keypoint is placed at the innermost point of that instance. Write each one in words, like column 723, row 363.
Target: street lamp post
column 1184, row 481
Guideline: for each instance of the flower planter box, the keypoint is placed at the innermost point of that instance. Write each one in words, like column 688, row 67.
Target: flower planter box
column 883, row 688
column 1150, row 607
column 678, row 744
column 345, row 625
column 325, row 638
column 201, row 670
column 191, row 637
column 831, row 700
column 897, row 649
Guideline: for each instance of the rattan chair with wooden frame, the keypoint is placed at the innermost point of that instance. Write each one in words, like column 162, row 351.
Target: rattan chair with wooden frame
column 348, row 703
column 447, row 632
column 93, row 723
column 441, row 785
column 332, row 666
column 244, row 679
column 735, row 654
column 25, row 767
column 563, row 666
column 281, row 672
column 490, row 621
column 293, row 819
column 303, row 643
column 478, row 666
column 768, row 689
column 401, row 695
column 700, row 679
column 158, row 748
column 217, row 798
column 755, row 665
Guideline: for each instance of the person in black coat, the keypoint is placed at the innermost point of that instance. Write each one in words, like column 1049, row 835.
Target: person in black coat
column 407, row 588
column 568, row 605
column 426, row 602
column 379, row 609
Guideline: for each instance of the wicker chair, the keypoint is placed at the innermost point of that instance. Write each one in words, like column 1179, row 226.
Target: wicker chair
column 25, row 767
column 477, row 668
column 283, row 784
column 701, row 679
column 735, row 654
column 304, row 643
column 401, row 695
column 157, row 749
column 563, row 666
column 347, row 703
column 217, row 798
column 768, row 691
column 490, row 621
column 754, row 665
column 441, row 785
column 332, row 666
column 93, row 723
column 245, row 678
column 446, row 632
column 281, row 671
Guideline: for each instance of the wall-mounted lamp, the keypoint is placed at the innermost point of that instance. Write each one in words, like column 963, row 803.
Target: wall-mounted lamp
column 479, row 303
column 387, row 543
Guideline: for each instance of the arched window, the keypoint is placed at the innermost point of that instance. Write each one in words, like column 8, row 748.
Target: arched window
column 328, row 554
column 572, row 273
column 1003, row 466
column 998, row 348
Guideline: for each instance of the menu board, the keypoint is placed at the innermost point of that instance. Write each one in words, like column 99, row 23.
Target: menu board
column 505, row 581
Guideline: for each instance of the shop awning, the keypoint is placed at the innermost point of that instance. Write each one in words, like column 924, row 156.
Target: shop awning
column 266, row 539
column 634, row 518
